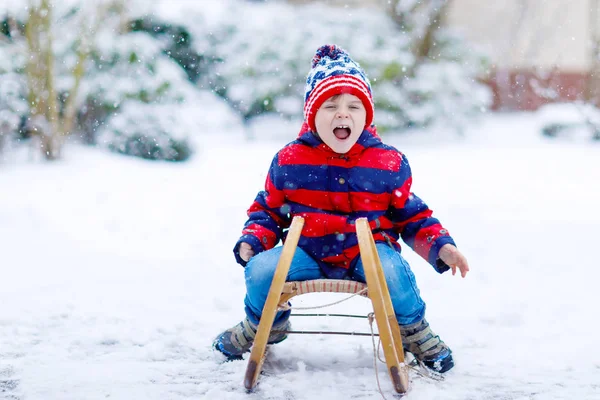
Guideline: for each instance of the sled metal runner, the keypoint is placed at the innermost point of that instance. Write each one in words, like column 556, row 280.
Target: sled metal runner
column 330, row 333
column 280, row 292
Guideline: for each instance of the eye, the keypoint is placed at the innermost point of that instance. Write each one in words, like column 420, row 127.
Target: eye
column 354, row 107
column 330, row 106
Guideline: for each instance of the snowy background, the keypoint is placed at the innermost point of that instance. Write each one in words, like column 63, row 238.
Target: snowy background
column 116, row 273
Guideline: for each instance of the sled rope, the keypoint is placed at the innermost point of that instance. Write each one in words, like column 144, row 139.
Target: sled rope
column 375, row 354
column 355, row 289
column 422, row 371
column 370, row 316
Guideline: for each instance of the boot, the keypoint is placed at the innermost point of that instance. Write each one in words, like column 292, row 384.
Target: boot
column 426, row 346
column 238, row 340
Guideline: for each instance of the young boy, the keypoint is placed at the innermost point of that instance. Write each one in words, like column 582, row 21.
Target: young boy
column 336, row 171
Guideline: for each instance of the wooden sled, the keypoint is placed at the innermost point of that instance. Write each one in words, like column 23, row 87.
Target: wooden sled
column 281, row 292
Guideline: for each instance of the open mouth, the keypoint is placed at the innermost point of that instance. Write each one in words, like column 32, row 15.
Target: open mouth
column 342, row 132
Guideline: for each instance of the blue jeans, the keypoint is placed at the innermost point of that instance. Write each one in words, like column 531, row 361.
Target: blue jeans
column 406, row 300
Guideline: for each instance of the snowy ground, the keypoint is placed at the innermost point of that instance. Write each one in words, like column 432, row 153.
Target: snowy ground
column 116, row 274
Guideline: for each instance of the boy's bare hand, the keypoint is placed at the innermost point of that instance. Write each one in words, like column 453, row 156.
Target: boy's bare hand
column 246, row 251
column 454, row 259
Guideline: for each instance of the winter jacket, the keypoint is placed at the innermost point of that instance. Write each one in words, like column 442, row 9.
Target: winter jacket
column 331, row 191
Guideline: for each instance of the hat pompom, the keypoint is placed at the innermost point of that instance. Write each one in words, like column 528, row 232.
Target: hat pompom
column 329, row 50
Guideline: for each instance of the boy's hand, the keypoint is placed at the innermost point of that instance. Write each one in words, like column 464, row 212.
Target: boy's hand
column 246, row 251
column 454, row 259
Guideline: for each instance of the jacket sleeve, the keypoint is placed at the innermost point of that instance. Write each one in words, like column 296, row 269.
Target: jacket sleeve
column 267, row 216
column 413, row 220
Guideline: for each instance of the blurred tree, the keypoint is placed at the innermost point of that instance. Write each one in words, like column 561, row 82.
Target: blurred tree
column 179, row 45
column 423, row 18
column 5, row 131
column 443, row 81
column 52, row 113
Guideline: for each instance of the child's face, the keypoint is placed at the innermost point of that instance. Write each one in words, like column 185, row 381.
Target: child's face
column 340, row 121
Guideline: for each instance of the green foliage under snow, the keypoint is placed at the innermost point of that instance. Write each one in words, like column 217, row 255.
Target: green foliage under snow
column 258, row 66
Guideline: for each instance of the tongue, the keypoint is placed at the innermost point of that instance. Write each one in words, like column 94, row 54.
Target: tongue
column 341, row 133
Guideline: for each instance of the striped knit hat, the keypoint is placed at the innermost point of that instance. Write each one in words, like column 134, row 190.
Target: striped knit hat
column 334, row 72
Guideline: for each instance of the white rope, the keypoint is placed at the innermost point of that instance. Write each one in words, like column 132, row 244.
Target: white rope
column 286, row 307
column 375, row 354
column 423, row 371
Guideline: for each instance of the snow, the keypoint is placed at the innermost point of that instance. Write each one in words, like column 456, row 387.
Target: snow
column 117, row 273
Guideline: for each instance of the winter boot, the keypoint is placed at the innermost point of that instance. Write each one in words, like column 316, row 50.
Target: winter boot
column 238, row 340
column 426, row 346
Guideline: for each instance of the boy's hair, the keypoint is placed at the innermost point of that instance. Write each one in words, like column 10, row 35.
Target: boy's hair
column 334, row 72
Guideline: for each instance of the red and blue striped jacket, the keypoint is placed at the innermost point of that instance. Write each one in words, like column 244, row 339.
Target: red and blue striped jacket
column 331, row 191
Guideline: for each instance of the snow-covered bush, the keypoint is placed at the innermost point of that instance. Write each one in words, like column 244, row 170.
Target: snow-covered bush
column 121, row 67
column 265, row 60
column 260, row 65
column 12, row 53
column 164, row 55
column 13, row 106
column 13, row 87
column 132, row 69
column 132, row 66
column 150, row 131
column 576, row 122
column 176, row 43
column 13, row 100
column 444, row 90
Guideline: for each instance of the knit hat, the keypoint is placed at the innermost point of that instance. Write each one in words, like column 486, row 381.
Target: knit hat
column 334, row 72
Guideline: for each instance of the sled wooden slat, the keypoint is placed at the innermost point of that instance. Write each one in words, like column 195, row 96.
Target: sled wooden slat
column 387, row 324
column 297, row 288
column 273, row 299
